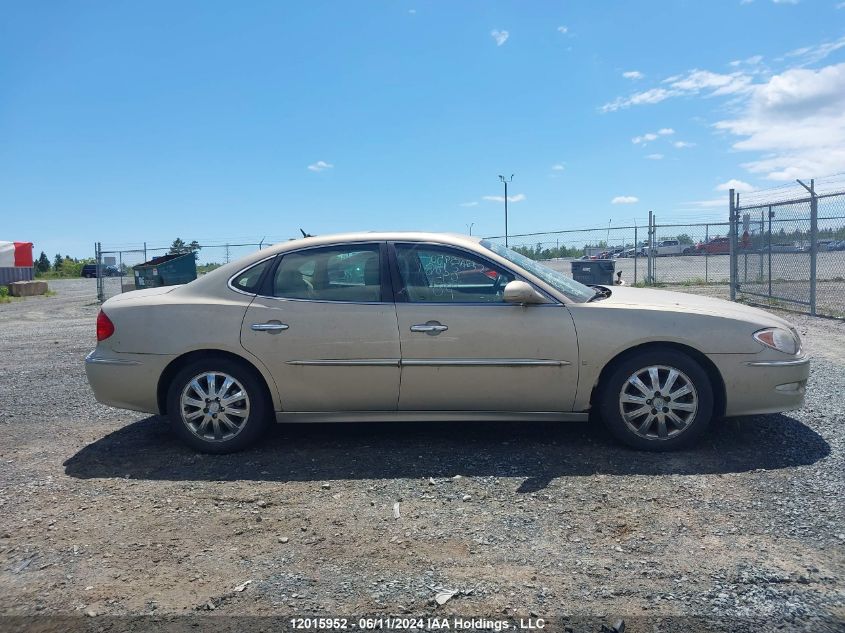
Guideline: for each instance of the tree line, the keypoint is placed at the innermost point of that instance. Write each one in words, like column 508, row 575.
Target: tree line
column 67, row 266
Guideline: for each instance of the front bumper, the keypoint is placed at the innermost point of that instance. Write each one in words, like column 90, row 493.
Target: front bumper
column 755, row 384
column 126, row 381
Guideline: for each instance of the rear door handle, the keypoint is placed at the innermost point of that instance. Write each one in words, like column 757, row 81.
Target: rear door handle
column 430, row 327
column 269, row 327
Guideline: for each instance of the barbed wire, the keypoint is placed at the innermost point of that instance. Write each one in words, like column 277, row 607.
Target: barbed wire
column 793, row 191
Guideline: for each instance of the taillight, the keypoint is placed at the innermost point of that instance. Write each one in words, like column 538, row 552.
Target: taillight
column 105, row 328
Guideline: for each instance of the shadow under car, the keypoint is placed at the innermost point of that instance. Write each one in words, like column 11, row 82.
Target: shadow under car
column 539, row 452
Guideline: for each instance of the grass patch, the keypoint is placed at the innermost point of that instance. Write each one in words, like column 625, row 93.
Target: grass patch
column 5, row 297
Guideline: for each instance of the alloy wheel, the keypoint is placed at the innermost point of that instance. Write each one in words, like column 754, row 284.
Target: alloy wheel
column 658, row 402
column 214, row 406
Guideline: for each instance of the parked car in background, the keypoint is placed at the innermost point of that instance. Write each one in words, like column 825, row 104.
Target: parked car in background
column 836, row 245
column 90, row 271
column 785, row 247
column 665, row 248
column 714, row 246
column 322, row 329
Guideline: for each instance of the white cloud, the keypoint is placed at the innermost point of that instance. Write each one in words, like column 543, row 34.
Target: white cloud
column 817, row 52
column 412, row 11
column 737, row 185
column 633, row 74
column 500, row 36
column 563, row 29
column 652, row 136
column 655, row 156
column 841, row 5
column 683, row 144
column 469, row 204
column 785, row 1
column 624, row 200
column 696, row 81
column 655, row 95
column 320, row 165
column 645, row 138
column 558, row 167
column 796, row 121
column 691, row 83
column 517, row 198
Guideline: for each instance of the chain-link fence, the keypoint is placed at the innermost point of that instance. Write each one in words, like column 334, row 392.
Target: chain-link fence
column 789, row 247
column 115, row 266
column 786, row 249
column 688, row 254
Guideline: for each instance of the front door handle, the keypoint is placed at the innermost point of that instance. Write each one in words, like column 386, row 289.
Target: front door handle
column 432, row 328
column 273, row 326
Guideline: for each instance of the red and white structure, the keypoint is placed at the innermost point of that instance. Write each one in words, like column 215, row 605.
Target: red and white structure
column 15, row 262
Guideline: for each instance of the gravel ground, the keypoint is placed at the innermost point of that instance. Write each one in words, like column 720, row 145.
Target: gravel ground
column 104, row 514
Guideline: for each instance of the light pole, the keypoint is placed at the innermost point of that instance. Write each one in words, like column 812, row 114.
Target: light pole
column 470, row 225
column 506, row 181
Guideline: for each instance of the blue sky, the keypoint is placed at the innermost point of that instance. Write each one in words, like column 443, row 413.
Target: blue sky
column 126, row 122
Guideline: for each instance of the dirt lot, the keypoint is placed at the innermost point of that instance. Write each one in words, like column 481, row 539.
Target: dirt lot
column 104, row 515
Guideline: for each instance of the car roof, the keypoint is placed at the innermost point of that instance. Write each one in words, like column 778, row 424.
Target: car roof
column 377, row 236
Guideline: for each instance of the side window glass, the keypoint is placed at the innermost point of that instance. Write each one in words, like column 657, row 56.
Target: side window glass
column 443, row 275
column 349, row 273
column 248, row 280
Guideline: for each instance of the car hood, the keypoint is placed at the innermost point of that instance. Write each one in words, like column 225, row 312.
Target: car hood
column 652, row 299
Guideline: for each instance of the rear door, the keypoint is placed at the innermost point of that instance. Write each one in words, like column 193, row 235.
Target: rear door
column 327, row 329
column 465, row 349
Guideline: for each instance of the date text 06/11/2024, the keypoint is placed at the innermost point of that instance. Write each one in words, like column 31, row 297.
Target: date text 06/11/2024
column 419, row 623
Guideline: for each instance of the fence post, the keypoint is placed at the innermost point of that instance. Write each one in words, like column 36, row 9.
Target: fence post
column 762, row 231
column 98, row 254
column 769, row 246
column 635, row 255
column 732, row 240
column 145, row 252
column 814, row 247
column 706, row 254
column 649, row 263
column 653, row 250
column 814, row 234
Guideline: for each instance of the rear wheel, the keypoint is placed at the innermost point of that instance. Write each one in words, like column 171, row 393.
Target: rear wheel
column 217, row 405
column 657, row 400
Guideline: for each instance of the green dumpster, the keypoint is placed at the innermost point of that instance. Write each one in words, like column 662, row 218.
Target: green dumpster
column 167, row 270
column 594, row 271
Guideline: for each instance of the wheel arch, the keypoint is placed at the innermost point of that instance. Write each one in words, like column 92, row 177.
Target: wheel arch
column 713, row 373
column 181, row 361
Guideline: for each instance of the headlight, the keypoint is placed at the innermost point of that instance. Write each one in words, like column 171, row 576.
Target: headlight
column 781, row 340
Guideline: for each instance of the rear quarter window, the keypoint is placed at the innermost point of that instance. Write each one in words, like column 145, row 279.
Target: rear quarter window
column 250, row 279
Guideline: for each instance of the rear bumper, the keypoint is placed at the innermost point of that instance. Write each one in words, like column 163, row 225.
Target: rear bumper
column 756, row 385
column 126, row 381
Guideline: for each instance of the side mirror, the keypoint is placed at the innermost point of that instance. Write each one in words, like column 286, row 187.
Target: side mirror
column 523, row 293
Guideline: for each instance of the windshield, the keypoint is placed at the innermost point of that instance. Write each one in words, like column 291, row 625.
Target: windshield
column 569, row 287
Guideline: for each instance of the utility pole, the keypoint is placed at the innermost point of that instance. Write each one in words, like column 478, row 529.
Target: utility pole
column 506, row 181
column 470, row 225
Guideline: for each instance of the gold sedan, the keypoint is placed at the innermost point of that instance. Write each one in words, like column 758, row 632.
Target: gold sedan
column 420, row 326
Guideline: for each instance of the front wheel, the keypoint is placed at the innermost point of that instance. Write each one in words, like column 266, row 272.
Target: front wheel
column 657, row 400
column 217, row 405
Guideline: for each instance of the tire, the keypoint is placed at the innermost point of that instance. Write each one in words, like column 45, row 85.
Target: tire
column 218, row 428
column 624, row 404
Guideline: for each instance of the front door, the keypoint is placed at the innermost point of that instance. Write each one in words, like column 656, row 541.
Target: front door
column 328, row 333
column 465, row 349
